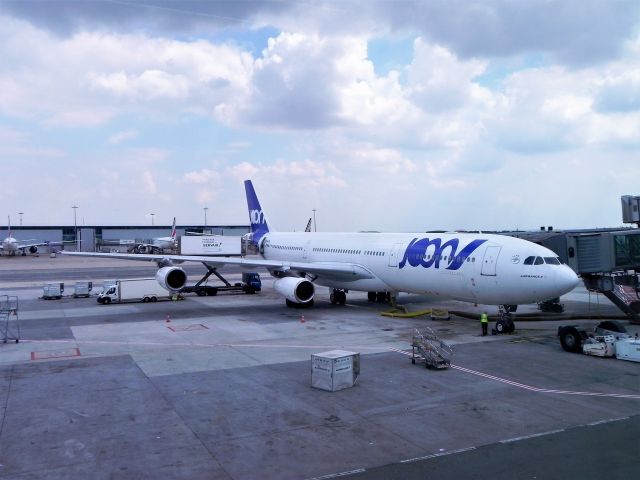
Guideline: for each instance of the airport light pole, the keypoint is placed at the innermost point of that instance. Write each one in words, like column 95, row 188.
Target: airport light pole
column 20, row 213
column 315, row 229
column 152, row 215
column 75, row 225
column 205, row 215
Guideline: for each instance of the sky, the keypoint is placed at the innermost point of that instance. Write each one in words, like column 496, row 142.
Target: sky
column 379, row 115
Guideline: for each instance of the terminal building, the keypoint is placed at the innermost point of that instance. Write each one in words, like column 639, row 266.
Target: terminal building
column 96, row 238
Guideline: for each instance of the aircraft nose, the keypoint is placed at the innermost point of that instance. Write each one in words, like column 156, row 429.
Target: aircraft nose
column 566, row 279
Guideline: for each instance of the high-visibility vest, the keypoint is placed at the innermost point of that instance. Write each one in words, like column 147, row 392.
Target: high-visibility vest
column 484, row 318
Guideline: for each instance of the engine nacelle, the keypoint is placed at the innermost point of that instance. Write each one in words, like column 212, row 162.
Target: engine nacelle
column 295, row 289
column 33, row 249
column 171, row 278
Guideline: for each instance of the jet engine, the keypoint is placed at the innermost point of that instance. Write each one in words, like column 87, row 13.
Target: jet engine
column 33, row 249
column 295, row 289
column 171, row 278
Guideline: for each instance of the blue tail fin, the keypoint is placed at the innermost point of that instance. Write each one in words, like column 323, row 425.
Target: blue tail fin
column 257, row 218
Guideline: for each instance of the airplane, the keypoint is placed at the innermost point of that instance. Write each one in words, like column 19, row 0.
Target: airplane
column 476, row 268
column 159, row 244
column 10, row 246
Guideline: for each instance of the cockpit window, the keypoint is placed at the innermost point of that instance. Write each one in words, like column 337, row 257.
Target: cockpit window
column 529, row 260
column 538, row 261
column 552, row 260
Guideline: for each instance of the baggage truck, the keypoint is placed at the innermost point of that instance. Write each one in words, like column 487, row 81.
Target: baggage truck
column 133, row 290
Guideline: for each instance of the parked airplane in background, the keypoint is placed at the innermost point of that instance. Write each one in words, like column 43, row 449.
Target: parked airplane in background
column 11, row 246
column 476, row 268
column 159, row 244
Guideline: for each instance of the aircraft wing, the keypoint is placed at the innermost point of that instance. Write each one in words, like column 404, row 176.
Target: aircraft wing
column 20, row 245
column 336, row 271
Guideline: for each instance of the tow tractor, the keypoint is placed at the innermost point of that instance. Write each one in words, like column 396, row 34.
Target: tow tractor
column 251, row 283
column 608, row 339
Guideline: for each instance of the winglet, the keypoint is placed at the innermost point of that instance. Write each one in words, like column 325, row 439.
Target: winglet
column 257, row 218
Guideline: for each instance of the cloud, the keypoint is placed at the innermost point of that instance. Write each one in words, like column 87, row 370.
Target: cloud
column 148, row 183
column 200, row 177
column 18, row 144
column 293, row 84
column 93, row 77
column 145, row 156
column 554, row 109
column 578, row 32
column 620, row 94
column 65, row 17
column 438, row 81
column 483, row 110
column 123, row 136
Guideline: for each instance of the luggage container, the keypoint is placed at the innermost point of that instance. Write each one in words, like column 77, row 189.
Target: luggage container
column 82, row 289
column 52, row 290
column 334, row 370
column 628, row 349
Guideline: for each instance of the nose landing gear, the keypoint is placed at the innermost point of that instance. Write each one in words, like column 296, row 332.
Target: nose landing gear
column 505, row 322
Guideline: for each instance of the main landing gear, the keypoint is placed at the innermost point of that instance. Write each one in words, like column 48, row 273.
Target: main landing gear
column 338, row 296
column 380, row 297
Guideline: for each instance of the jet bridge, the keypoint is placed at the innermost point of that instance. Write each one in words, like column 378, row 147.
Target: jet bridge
column 608, row 260
column 609, row 263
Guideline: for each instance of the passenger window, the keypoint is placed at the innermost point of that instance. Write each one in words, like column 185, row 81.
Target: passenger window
column 529, row 260
column 538, row 261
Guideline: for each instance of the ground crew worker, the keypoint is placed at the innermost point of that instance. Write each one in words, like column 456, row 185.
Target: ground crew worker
column 484, row 322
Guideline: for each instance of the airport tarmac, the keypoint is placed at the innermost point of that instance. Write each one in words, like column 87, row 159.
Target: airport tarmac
column 219, row 388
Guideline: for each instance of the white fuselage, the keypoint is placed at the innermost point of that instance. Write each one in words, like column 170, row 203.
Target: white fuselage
column 478, row 268
column 163, row 243
column 10, row 245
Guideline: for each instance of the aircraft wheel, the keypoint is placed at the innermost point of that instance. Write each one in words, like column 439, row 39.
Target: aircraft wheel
column 501, row 326
column 333, row 297
column 342, row 298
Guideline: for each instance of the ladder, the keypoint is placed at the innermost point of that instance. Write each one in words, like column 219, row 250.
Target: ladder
column 427, row 347
column 9, row 321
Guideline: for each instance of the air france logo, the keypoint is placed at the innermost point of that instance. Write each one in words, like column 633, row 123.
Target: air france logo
column 256, row 217
column 426, row 253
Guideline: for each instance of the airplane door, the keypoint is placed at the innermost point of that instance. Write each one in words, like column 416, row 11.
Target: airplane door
column 393, row 255
column 489, row 261
column 305, row 251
